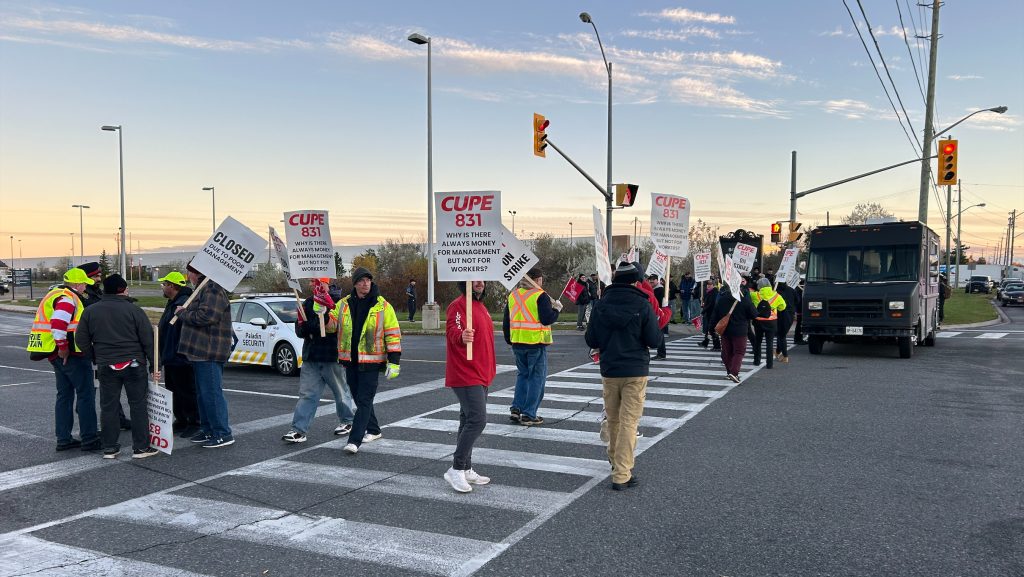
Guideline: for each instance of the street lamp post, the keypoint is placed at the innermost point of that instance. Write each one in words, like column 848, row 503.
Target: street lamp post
column 513, row 213
column 213, row 199
column 81, row 229
column 120, row 162
column 586, row 19
column 72, row 235
column 572, row 241
column 14, row 265
column 959, row 244
column 431, row 312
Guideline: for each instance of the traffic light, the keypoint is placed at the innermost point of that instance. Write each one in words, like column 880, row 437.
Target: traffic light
column 625, row 194
column 540, row 137
column 776, row 232
column 948, row 150
column 793, row 234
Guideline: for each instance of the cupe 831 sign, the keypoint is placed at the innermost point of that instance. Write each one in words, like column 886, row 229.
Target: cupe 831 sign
column 469, row 230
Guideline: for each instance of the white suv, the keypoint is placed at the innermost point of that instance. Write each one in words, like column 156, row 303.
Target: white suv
column 264, row 330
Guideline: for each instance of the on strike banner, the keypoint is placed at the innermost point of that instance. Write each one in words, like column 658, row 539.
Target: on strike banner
column 657, row 263
column 670, row 224
column 702, row 266
column 793, row 278
column 604, row 267
column 282, row 258
column 310, row 251
column 732, row 276
column 516, row 259
column 469, row 233
column 227, row 256
column 160, row 405
column 788, row 262
column 743, row 257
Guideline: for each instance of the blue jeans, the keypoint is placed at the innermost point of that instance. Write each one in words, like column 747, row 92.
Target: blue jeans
column 74, row 378
column 312, row 378
column 364, row 389
column 213, row 407
column 532, row 363
column 694, row 309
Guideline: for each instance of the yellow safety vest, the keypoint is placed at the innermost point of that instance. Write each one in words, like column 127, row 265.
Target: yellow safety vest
column 774, row 300
column 381, row 334
column 525, row 327
column 40, row 340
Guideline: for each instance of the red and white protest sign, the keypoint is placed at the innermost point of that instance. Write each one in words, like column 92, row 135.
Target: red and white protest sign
column 788, row 263
column 670, row 224
column 573, row 289
column 160, row 406
column 604, row 267
column 469, row 230
column 702, row 266
column 310, row 250
column 743, row 257
column 658, row 265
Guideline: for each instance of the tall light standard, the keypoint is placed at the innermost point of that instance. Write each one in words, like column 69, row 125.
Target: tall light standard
column 213, row 199
column 14, row 263
column 956, row 283
column 120, row 162
column 572, row 241
column 513, row 213
column 586, row 19
column 926, row 156
column 81, row 228
column 431, row 313
column 72, row 235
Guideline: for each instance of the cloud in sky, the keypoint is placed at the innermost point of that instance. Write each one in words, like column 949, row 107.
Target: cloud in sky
column 703, row 92
column 837, row 32
column 848, row 108
column 686, row 15
column 680, row 35
column 960, row 77
column 996, row 122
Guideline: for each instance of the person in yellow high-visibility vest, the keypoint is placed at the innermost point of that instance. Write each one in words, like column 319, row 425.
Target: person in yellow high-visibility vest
column 768, row 304
column 529, row 314
column 52, row 338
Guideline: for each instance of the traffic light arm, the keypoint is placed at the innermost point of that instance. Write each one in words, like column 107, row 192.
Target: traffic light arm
column 607, row 194
column 845, row 180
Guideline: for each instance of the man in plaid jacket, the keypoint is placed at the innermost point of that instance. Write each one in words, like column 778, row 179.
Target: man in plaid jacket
column 206, row 342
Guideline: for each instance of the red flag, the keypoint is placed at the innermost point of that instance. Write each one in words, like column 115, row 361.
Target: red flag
column 573, row 289
column 697, row 320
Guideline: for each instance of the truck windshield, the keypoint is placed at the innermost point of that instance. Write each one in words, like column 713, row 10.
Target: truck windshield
column 864, row 264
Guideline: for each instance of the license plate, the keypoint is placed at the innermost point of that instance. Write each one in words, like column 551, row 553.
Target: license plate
column 855, row 330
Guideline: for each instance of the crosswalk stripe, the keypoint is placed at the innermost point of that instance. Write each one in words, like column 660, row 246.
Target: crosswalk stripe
column 432, row 553
column 597, row 400
column 24, row 555
column 486, row 456
column 576, row 416
column 542, row 434
column 39, row 473
column 720, row 382
column 991, row 335
column 713, row 372
column 948, row 334
column 417, row 486
column 650, row 390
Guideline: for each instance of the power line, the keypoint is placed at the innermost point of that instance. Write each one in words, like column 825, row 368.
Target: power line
column 913, row 142
column 886, row 67
column 911, row 52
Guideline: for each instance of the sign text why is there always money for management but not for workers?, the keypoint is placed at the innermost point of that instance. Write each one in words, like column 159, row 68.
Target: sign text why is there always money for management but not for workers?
column 469, row 235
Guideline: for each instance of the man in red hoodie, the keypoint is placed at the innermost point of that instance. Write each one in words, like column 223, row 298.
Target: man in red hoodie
column 469, row 380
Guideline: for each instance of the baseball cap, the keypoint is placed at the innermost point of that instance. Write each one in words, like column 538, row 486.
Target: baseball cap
column 77, row 276
column 174, row 277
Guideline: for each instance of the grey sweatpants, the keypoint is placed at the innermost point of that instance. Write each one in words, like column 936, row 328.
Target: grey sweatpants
column 472, row 420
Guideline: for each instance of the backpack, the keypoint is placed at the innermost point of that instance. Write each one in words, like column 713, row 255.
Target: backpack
column 764, row 309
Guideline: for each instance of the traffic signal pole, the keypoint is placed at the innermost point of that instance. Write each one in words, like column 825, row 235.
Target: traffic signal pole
column 793, row 194
column 601, row 189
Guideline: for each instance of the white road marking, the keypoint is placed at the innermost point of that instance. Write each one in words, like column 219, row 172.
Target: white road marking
column 650, row 390
column 947, row 335
column 28, row 555
column 404, row 548
column 991, row 335
column 49, row 471
column 23, row 369
column 518, row 431
column 19, row 384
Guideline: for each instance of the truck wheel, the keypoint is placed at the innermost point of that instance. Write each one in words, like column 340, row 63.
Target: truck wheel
column 814, row 344
column 929, row 341
column 906, row 346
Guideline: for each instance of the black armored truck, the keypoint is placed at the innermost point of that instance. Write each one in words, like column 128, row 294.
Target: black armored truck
column 872, row 282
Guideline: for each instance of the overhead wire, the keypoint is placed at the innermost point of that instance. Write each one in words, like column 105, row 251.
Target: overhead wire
column 910, row 52
column 885, row 66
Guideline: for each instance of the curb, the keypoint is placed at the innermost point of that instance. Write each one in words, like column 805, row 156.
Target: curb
column 1001, row 319
column 18, row 309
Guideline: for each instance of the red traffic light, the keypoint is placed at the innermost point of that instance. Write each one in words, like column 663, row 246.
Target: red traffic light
column 949, row 148
column 776, row 227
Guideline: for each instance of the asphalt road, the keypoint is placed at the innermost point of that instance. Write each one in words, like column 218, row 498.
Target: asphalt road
column 854, row 462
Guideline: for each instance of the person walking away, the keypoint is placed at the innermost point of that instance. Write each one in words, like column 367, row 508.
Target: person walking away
column 674, row 300
column 707, row 312
column 582, row 300
column 768, row 304
column 369, row 343
column 798, row 314
column 205, row 340
column 92, row 295
column 174, row 366
column 686, row 286
column 117, row 332
column 410, row 293
column 52, row 338
column 320, row 369
column 785, row 321
column 623, row 327
column 469, row 380
column 529, row 314
column 734, row 337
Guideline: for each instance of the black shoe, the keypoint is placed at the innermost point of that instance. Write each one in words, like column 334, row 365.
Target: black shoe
column 143, row 453
column 658, row 357
column 72, row 444
column 92, row 445
column 201, row 437
column 716, row 348
column 189, row 431
column 515, row 414
column 632, row 482
column 704, row 343
column 126, row 425
column 530, row 421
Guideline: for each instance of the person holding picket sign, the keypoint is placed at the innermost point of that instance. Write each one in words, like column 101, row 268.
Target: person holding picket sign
column 469, row 380
column 731, row 320
column 369, row 343
column 529, row 314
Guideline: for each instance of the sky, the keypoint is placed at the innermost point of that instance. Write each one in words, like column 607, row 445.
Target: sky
column 322, row 104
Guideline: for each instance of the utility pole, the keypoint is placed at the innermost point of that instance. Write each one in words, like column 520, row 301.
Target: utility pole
column 1013, row 233
column 929, row 130
column 792, row 190
column 949, row 218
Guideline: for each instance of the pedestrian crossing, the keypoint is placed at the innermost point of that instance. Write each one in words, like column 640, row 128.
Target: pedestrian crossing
column 536, row 471
column 981, row 334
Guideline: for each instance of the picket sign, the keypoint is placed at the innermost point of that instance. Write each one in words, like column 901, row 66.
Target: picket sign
column 310, row 249
column 156, row 351
column 733, row 278
column 702, row 266
column 743, row 257
column 604, row 267
column 192, row 296
column 159, row 406
column 281, row 250
column 656, row 265
column 664, row 296
column 516, row 260
column 787, row 267
column 670, row 224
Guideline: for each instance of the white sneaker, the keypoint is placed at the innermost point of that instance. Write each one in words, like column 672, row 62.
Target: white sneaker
column 457, row 479
column 371, row 437
column 474, row 478
column 351, row 449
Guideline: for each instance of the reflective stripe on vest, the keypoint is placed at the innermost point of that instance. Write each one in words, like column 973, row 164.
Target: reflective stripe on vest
column 40, row 339
column 371, row 345
column 524, row 326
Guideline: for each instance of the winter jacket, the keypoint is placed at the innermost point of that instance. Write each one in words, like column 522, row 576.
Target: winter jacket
column 686, row 285
column 623, row 327
column 170, row 335
column 546, row 316
column 368, row 333
column 115, row 330
column 584, row 296
column 206, row 326
column 744, row 312
column 315, row 349
column 787, row 293
column 663, row 315
column 459, row 371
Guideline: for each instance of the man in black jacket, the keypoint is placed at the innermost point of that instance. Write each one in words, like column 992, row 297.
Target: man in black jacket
column 582, row 300
column 623, row 327
column 118, row 335
column 176, row 369
column 93, row 294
